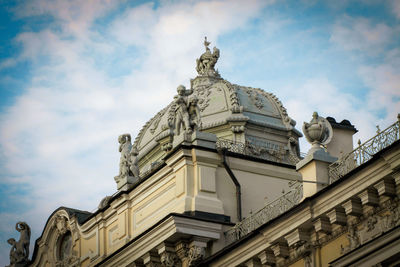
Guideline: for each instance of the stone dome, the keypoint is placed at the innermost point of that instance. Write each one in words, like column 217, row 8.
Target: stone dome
column 241, row 114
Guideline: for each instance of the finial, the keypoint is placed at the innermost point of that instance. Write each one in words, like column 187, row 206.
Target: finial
column 378, row 130
column 398, row 117
column 318, row 131
column 359, row 142
column 206, row 43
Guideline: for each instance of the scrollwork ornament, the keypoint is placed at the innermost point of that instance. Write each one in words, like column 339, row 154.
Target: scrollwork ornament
column 72, row 261
column 195, row 255
column 169, row 259
column 60, row 223
column 353, row 237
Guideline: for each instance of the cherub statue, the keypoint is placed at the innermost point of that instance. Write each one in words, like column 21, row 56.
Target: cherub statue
column 125, row 147
column 194, row 113
column 182, row 118
column 134, row 168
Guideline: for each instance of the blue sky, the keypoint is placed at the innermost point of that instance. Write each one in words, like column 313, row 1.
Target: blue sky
column 76, row 74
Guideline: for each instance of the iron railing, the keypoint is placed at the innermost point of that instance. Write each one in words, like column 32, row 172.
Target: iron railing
column 364, row 152
column 268, row 151
column 272, row 210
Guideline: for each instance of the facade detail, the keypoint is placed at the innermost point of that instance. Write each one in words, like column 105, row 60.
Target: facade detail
column 216, row 178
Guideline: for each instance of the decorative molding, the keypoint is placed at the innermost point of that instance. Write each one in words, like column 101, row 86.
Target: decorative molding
column 60, row 223
column 386, row 187
column 195, row 255
column 353, row 207
column 280, row 250
column 369, row 197
column 322, row 224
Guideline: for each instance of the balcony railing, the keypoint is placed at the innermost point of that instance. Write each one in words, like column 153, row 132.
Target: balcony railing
column 269, row 212
column 364, row 152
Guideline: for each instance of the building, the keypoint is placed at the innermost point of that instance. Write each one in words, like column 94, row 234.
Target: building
column 216, row 179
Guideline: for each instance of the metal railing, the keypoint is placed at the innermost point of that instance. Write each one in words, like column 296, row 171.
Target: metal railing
column 364, row 152
column 272, row 210
column 269, row 151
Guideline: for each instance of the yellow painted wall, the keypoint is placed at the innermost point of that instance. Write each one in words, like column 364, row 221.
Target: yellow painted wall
column 299, row 263
column 88, row 245
column 332, row 250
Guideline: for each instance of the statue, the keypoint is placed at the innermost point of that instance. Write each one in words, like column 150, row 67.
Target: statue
column 318, row 132
column 206, row 63
column 194, row 113
column 125, row 146
column 19, row 252
column 128, row 164
column 182, row 117
column 134, row 168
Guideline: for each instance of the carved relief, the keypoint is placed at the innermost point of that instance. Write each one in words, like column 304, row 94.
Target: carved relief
column 156, row 120
column 60, row 222
column 71, row 261
column 353, row 237
column 204, row 99
column 255, row 98
column 169, row 259
column 236, row 108
column 195, row 255
column 393, row 218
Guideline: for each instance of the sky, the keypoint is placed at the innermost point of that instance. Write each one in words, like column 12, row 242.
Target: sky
column 76, row 74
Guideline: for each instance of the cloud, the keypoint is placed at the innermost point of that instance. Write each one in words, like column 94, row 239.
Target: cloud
column 59, row 137
column 395, row 8
column 325, row 98
column 361, row 34
column 384, row 81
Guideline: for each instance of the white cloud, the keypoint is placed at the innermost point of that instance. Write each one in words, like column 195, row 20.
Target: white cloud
column 384, row 81
column 325, row 98
column 395, row 8
column 61, row 132
column 361, row 34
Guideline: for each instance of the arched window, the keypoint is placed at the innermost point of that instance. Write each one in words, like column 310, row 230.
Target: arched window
column 64, row 247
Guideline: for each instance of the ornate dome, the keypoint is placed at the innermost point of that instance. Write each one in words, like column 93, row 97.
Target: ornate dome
column 231, row 112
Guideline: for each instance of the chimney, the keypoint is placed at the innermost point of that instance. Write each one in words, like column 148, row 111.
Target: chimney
column 342, row 139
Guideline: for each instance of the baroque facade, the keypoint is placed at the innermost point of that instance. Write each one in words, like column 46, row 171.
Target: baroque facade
column 216, row 179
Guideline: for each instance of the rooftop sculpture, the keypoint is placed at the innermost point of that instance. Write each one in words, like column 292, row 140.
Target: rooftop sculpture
column 186, row 113
column 318, row 132
column 205, row 64
column 19, row 252
column 128, row 170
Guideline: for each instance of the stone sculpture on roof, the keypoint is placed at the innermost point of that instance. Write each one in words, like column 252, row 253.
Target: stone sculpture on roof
column 128, row 170
column 187, row 112
column 215, row 107
column 318, row 132
column 19, row 252
column 205, row 64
